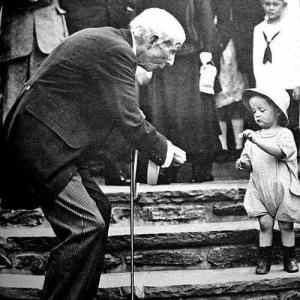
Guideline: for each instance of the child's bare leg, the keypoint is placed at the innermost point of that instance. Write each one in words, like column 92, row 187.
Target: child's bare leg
column 287, row 233
column 266, row 223
column 288, row 246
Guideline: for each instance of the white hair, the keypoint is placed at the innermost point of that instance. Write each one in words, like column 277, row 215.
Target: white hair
column 158, row 22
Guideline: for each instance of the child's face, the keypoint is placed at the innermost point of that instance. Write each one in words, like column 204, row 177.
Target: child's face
column 273, row 8
column 264, row 113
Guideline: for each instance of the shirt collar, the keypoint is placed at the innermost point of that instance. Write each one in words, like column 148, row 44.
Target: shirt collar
column 133, row 43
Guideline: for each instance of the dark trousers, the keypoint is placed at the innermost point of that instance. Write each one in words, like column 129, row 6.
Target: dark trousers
column 80, row 219
column 201, row 166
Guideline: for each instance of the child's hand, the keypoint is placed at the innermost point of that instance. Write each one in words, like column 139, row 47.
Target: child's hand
column 248, row 134
column 243, row 163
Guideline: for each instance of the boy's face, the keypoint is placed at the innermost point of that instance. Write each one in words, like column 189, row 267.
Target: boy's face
column 273, row 8
column 264, row 113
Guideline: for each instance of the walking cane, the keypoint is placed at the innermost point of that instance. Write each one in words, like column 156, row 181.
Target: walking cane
column 133, row 194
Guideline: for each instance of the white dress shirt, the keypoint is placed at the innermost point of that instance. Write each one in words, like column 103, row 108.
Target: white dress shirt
column 284, row 71
column 293, row 8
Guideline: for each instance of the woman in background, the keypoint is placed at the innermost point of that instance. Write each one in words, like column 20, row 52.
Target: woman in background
column 235, row 20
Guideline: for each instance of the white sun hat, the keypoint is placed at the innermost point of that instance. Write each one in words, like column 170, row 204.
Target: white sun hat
column 279, row 97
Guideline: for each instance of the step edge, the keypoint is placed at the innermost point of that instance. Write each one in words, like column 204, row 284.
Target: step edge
column 176, row 187
column 140, row 229
column 156, row 279
column 118, row 230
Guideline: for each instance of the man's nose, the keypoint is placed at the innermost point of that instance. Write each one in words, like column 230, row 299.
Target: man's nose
column 257, row 114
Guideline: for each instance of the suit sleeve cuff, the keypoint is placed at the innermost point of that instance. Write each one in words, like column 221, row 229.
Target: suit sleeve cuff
column 205, row 57
column 170, row 155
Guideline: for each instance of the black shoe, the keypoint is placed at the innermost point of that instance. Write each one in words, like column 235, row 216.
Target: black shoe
column 289, row 260
column 168, row 175
column 163, row 179
column 263, row 266
column 291, row 266
column 264, row 260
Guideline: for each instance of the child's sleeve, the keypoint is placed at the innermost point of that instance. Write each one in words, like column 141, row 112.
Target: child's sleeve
column 286, row 143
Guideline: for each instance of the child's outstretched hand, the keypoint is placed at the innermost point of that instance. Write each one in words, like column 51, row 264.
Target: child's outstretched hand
column 248, row 134
column 243, row 163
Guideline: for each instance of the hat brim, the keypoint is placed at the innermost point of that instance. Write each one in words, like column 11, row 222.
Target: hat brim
column 248, row 93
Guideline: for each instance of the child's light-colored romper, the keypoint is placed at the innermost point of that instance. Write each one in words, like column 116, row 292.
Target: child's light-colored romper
column 273, row 187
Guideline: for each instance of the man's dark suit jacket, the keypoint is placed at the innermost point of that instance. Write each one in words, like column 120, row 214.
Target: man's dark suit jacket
column 83, row 91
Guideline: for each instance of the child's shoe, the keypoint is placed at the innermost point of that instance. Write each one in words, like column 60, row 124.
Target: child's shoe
column 289, row 260
column 264, row 260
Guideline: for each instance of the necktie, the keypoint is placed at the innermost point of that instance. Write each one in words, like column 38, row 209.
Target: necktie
column 268, row 53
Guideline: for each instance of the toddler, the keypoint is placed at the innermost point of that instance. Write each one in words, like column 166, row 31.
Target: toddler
column 273, row 191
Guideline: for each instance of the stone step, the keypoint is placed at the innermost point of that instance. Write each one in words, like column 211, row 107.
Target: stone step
column 164, row 247
column 234, row 283
column 215, row 201
column 180, row 203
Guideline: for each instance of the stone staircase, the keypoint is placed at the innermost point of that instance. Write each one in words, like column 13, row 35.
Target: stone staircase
column 192, row 241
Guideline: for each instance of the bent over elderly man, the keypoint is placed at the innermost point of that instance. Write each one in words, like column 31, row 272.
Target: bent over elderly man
column 82, row 93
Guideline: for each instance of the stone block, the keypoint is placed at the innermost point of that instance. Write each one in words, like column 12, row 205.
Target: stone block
column 27, row 244
column 167, row 258
column 261, row 297
column 229, row 209
column 33, row 262
column 290, row 295
column 21, row 217
column 173, row 213
column 112, row 262
column 232, row 256
column 5, row 261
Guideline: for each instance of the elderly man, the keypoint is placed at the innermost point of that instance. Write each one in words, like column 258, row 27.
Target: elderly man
column 83, row 92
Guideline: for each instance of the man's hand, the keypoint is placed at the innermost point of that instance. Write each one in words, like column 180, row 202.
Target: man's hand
column 179, row 157
column 296, row 93
column 142, row 76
